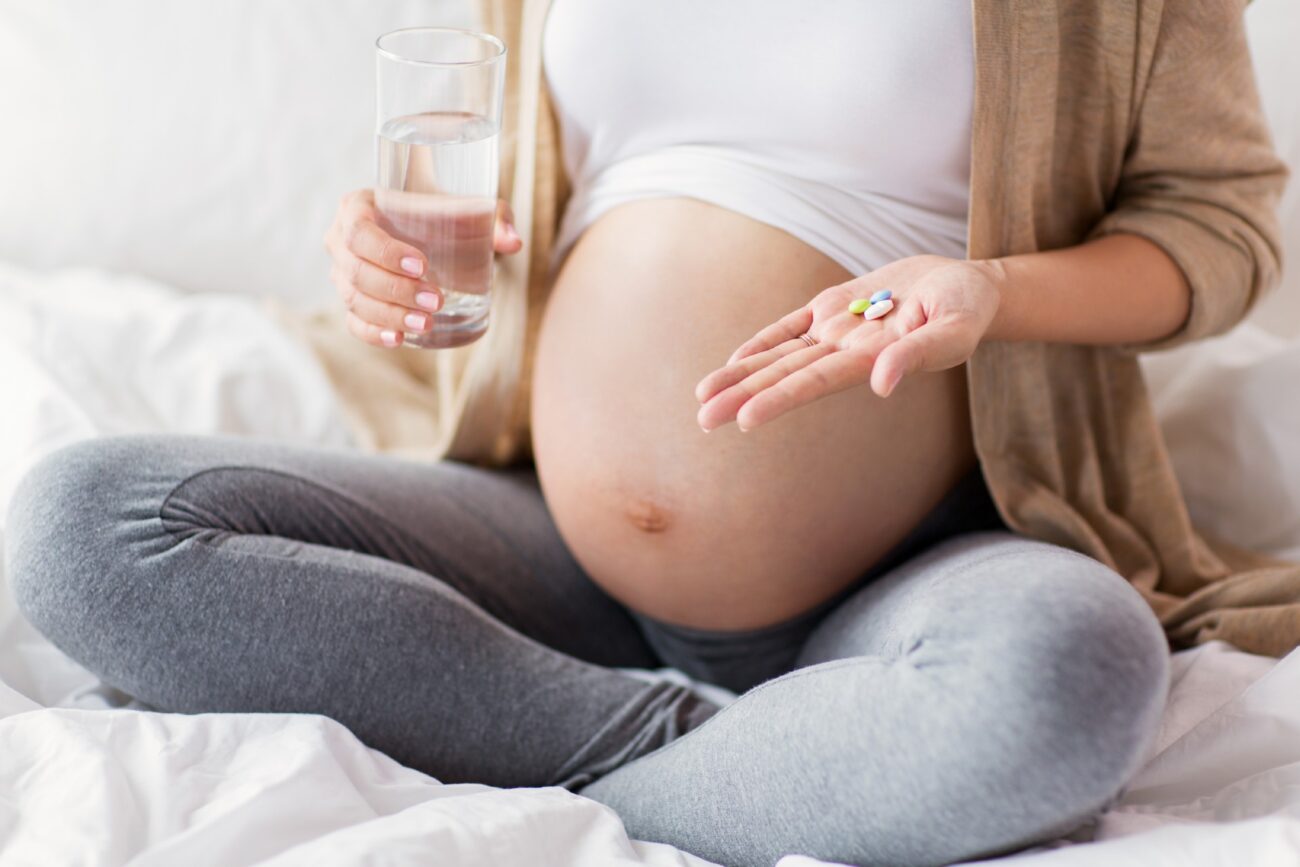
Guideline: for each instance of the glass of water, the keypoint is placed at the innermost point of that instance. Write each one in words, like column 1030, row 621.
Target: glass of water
column 439, row 100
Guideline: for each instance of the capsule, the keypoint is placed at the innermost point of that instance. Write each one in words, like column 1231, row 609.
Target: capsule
column 879, row 309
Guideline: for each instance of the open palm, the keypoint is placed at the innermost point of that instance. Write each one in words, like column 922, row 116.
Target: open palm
column 942, row 309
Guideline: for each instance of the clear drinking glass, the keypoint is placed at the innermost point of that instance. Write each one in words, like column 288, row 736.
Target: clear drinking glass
column 439, row 119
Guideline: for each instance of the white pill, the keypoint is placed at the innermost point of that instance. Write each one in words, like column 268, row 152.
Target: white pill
column 879, row 309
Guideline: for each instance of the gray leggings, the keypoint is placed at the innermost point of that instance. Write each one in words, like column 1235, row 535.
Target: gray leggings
column 974, row 694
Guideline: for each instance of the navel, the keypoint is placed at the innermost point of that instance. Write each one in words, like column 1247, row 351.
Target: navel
column 647, row 515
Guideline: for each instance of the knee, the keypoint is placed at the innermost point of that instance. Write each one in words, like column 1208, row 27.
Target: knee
column 63, row 531
column 1081, row 672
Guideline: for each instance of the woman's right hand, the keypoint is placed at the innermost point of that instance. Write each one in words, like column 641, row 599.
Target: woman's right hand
column 379, row 278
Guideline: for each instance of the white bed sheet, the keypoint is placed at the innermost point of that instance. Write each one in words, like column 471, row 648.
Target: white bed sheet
column 84, row 780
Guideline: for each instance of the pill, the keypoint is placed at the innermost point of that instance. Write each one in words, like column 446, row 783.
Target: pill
column 882, row 295
column 857, row 305
column 879, row 309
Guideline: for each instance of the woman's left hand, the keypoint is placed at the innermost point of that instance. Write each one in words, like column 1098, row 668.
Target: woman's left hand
column 942, row 309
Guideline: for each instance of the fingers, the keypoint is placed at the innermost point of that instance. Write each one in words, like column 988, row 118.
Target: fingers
column 827, row 374
column 792, row 324
column 352, row 274
column 505, row 238
column 356, row 232
column 380, row 304
column 734, row 372
column 725, row 405
column 381, row 313
column 373, row 334
column 364, row 239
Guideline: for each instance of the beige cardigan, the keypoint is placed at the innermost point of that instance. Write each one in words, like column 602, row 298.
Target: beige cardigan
column 1090, row 116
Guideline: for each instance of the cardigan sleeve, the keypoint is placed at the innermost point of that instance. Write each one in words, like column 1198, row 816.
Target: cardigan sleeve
column 1200, row 176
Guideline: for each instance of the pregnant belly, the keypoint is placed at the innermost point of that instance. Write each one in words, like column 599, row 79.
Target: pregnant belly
column 729, row 529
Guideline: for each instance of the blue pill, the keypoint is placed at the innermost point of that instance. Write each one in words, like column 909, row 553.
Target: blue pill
column 882, row 295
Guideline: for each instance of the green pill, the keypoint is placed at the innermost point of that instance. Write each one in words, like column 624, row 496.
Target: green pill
column 858, row 305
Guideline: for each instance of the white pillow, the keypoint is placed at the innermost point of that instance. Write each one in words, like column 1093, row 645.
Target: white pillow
column 1232, row 425
column 204, row 144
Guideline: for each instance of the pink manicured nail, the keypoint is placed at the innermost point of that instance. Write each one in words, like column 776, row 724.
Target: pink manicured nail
column 416, row 321
column 512, row 234
column 428, row 300
column 389, row 337
column 412, row 266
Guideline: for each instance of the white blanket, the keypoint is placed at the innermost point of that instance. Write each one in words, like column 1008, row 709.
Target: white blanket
column 84, row 781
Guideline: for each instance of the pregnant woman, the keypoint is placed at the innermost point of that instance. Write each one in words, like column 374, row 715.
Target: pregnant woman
column 932, row 552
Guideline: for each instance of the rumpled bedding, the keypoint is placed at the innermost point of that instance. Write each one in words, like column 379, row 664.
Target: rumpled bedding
column 86, row 779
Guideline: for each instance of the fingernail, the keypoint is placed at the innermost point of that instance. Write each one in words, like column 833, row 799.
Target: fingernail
column 389, row 337
column 428, row 300
column 511, row 233
column 412, row 266
column 416, row 321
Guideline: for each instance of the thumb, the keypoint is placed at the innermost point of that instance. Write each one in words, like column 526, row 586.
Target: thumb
column 932, row 346
column 505, row 238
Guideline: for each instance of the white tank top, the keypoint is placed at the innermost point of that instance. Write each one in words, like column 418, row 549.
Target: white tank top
column 843, row 122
